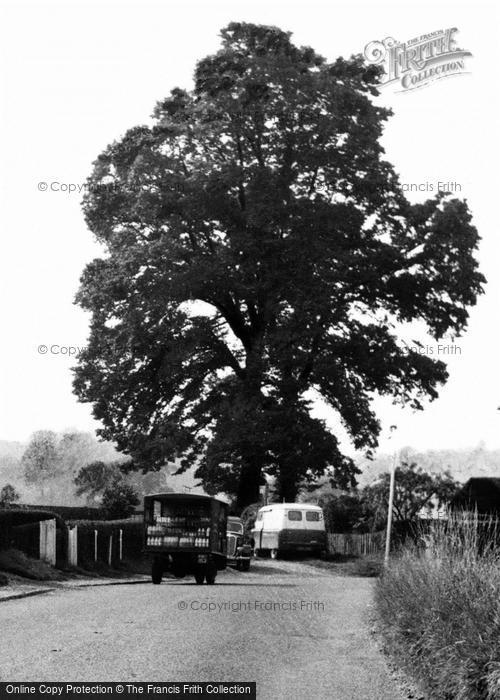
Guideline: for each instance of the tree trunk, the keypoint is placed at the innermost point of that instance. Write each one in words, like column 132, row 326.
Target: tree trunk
column 249, row 483
column 287, row 482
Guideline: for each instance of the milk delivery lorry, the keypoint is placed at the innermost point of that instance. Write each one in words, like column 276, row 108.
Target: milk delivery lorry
column 186, row 535
column 289, row 527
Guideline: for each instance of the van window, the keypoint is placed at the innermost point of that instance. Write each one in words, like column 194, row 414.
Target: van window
column 294, row 515
column 313, row 515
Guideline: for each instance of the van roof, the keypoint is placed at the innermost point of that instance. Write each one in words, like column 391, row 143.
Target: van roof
column 283, row 506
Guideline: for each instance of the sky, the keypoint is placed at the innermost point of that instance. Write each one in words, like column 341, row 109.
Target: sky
column 76, row 76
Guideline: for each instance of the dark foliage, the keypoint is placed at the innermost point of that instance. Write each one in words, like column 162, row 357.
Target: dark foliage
column 8, row 496
column 118, row 500
column 348, row 513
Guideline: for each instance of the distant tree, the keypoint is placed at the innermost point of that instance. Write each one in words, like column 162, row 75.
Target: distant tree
column 8, row 496
column 414, row 489
column 40, row 460
column 76, row 449
column 94, row 479
column 119, row 499
column 259, row 251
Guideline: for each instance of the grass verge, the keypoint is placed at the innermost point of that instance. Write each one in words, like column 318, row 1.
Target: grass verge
column 440, row 610
column 14, row 561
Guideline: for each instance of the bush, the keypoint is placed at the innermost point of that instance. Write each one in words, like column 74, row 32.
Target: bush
column 347, row 512
column 440, row 609
column 119, row 499
column 8, row 496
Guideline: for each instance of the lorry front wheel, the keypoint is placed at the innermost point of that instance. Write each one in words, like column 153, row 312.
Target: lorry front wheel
column 199, row 577
column 156, row 572
column 245, row 565
column 210, row 575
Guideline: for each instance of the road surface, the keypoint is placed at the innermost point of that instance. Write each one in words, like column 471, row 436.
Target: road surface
column 299, row 632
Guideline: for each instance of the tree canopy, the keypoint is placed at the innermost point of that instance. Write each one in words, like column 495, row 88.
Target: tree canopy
column 260, row 253
column 414, row 490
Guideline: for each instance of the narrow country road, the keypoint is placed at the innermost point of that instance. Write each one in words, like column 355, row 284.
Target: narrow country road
column 299, row 632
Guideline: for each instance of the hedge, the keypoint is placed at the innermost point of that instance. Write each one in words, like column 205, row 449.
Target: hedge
column 71, row 512
column 19, row 529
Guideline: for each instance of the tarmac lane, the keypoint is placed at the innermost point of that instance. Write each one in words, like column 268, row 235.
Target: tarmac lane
column 298, row 632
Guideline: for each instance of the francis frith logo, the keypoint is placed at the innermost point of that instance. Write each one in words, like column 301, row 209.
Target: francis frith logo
column 419, row 61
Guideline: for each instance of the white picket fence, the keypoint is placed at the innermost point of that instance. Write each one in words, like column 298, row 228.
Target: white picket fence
column 354, row 544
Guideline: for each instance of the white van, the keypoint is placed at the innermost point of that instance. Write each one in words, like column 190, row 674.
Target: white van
column 289, row 527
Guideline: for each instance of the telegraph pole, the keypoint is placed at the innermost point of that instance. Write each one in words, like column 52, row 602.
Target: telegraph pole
column 391, row 503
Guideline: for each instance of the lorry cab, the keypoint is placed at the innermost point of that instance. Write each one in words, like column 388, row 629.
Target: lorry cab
column 289, row 527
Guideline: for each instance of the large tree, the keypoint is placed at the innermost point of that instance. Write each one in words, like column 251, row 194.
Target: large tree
column 260, row 253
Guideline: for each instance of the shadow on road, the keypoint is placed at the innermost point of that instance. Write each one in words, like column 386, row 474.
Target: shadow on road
column 236, row 583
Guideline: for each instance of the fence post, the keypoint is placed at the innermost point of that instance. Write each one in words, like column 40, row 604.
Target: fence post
column 73, row 546
column 121, row 544
column 95, row 545
column 48, row 541
column 110, row 551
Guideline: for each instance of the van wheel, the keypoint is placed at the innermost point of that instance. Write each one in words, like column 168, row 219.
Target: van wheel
column 245, row 565
column 156, row 572
column 274, row 553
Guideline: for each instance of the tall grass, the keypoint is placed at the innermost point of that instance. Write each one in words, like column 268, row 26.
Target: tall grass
column 440, row 608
